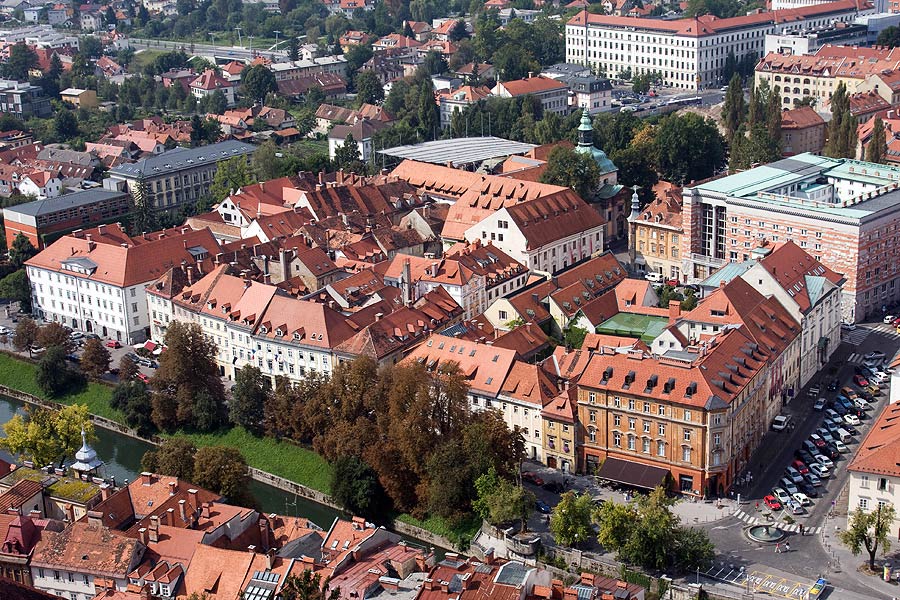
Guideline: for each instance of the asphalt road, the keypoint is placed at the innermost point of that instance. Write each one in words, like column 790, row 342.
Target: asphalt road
column 808, row 558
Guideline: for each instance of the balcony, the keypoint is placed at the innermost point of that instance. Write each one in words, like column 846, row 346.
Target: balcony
column 708, row 261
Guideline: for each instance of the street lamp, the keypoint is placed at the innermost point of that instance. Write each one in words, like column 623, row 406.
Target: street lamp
column 240, row 42
column 276, row 32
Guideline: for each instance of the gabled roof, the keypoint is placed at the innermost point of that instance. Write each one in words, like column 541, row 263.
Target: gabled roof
column 550, row 218
column 529, row 383
column 532, row 85
column 879, row 451
column 86, row 548
column 791, row 266
column 484, row 367
column 801, row 118
column 210, row 80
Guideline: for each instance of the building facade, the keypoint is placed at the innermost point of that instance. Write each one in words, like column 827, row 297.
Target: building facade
column 874, row 473
column 37, row 219
column 690, row 53
column 842, row 212
column 176, row 177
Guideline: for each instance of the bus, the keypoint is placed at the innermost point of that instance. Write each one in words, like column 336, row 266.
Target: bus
column 695, row 100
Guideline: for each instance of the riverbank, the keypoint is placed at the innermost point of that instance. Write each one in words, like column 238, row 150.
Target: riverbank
column 277, row 463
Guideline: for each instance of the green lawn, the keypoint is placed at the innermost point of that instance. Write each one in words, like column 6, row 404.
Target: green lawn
column 462, row 532
column 19, row 375
column 279, row 458
column 142, row 59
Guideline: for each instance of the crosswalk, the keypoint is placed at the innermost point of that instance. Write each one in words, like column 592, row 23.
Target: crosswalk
column 857, row 336
column 792, row 528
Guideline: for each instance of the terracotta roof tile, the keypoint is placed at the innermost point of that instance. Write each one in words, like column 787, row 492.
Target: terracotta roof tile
column 87, row 548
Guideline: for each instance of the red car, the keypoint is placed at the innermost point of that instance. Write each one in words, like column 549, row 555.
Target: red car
column 860, row 380
column 113, row 344
column 673, row 282
column 143, row 378
column 772, row 502
column 800, row 466
column 533, row 478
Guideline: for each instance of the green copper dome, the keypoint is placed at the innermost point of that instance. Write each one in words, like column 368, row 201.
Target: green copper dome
column 586, row 145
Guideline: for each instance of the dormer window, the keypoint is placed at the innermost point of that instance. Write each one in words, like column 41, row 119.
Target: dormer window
column 279, row 333
column 263, row 329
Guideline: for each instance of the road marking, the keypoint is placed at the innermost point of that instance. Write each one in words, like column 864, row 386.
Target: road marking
column 760, row 581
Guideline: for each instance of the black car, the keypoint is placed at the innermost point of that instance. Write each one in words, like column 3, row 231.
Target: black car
column 831, row 451
column 806, row 457
column 833, row 385
column 554, row 486
column 809, row 490
column 839, row 409
column 849, row 429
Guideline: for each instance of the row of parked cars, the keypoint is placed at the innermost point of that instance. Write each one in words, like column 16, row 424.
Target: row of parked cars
column 815, row 460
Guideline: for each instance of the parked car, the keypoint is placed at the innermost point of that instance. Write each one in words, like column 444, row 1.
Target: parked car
column 810, row 447
column 806, row 457
column 848, row 392
column 532, row 478
column 812, row 479
column 888, row 319
column 860, row 380
column 793, row 474
column 542, row 507
column 817, row 440
column 833, row 385
column 820, row 404
column 800, row 466
column 780, row 422
column 781, row 495
column 840, row 409
column 787, row 484
column 873, row 389
column 830, row 451
column 874, row 355
column 772, row 503
column 821, row 471
column 143, row 378
column 841, row 447
column 848, row 326
column 795, row 508
column 850, row 428
column 113, row 344
column 4, row 330
column 809, row 489
column 75, row 336
column 825, row 434
column 851, row 420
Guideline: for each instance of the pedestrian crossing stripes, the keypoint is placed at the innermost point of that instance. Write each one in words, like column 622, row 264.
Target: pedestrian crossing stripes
column 855, row 359
column 857, row 336
column 792, row 527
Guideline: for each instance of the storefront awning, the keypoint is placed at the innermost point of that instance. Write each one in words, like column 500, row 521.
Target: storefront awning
column 632, row 473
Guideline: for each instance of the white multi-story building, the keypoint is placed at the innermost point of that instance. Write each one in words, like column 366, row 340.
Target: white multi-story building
column 874, row 473
column 688, row 53
column 94, row 280
column 548, row 233
column 253, row 323
column 527, row 389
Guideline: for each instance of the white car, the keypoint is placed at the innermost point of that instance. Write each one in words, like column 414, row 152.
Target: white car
column 848, row 326
column 824, row 461
column 653, row 276
column 4, row 330
column 782, row 495
column 841, row 446
column 820, row 471
column 851, row 420
column 888, row 319
column 802, row 498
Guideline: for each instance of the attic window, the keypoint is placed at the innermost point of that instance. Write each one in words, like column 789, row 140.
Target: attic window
column 263, row 329
column 496, row 358
column 296, row 335
column 279, row 333
column 489, row 381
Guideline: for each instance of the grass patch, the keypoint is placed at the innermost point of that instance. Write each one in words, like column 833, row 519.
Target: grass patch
column 19, row 375
column 460, row 532
column 311, row 146
column 277, row 457
column 142, row 59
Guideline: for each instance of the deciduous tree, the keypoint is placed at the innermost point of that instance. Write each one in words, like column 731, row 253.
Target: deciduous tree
column 570, row 522
column 874, row 151
column 223, row 470
column 257, row 82
column 16, row 288
column 174, row 457
column 251, row 389
column 688, row 148
column 307, row 586
column 53, row 334
column 572, row 169
column 368, row 88
column 230, row 175
column 21, row 250
column 47, row 437
column 26, row 334
column 95, row 358
column 355, row 486
column 128, row 369
column 869, row 530
column 53, row 376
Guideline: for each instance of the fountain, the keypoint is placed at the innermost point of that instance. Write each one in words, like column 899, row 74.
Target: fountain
column 766, row 534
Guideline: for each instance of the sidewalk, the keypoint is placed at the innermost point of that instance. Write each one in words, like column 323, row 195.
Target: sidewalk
column 691, row 512
column 845, row 565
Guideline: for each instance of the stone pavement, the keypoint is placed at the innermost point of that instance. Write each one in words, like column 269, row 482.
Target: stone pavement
column 846, row 566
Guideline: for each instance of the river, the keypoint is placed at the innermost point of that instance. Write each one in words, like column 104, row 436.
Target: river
column 121, row 456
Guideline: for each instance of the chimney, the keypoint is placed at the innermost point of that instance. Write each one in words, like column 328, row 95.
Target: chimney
column 12, row 511
column 674, row 311
column 95, row 518
column 264, row 534
column 105, row 491
column 340, row 177
column 146, row 478
column 379, row 316
column 70, row 513
column 182, row 510
column 142, row 535
column 530, row 74
column 722, row 284
column 270, row 559
column 153, row 535
column 204, row 510
column 169, row 517
column 173, row 487
column 251, row 549
column 100, row 229
column 34, row 514
column 195, row 504
column 189, row 270
column 429, row 584
column 445, row 586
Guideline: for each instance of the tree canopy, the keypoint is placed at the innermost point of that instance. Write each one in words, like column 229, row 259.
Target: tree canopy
column 47, row 437
column 869, row 531
column 572, row 169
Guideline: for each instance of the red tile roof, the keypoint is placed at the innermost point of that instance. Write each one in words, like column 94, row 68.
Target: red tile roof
column 210, row 80
column 551, row 218
column 86, row 548
column 789, row 265
column 801, row 118
column 532, row 85
column 484, row 367
column 879, row 452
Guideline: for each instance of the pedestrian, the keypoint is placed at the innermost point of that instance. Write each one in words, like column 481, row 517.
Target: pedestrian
column 777, row 548
column 757, row 506
column 787, row 546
